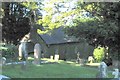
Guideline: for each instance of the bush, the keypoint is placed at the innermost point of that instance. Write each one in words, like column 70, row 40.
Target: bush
column 9, row 51
column 99, row 54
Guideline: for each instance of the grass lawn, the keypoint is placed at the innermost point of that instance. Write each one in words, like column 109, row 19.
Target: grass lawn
column 61, row 69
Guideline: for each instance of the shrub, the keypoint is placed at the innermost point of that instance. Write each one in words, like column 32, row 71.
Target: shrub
column 9, row 51
column 99, row 53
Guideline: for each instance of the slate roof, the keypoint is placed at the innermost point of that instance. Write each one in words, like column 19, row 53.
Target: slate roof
column 57, row 36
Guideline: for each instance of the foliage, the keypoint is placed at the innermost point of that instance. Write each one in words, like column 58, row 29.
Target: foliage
column 103, row 30
column 54, row 16
column 99, row 53
column 15, row 24
column 19, row 12
column 18, row 19
column 34, row 9
column 9, row 51
column 98, row 27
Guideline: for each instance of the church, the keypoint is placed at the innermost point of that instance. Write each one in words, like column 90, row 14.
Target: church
column 57, row 42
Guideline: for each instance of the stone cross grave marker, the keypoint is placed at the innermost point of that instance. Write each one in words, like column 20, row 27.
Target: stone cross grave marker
column 37, row 54
column 78, row 58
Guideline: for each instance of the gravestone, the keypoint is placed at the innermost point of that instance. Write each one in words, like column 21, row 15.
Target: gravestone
column 37, row 54
column 23, row 51
column 51, row 57
column 56, row 57
column 102, row 70
column 78, row 58
column 3, row 60
column 90, row 59
column 23, row 54
column 116, row 73
column 20, row 51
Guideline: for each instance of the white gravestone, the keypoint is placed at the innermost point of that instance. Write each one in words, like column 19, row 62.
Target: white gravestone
column 116, row 73
column 51, row 57
column 56, row 57
column 103, row 70
column 90, row 59
column 23, row 50
column 37, row 53
column 20, row 51
column 23, row 54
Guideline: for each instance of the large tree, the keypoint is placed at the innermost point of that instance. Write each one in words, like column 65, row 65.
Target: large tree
column 15, row 23
column 57, row 13
column 101, row 27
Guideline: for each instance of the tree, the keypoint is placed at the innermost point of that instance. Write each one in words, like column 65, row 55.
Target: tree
column 15, row 24
column 101, row 28
column 1, row 15
column 31, row 9
column 57, row 13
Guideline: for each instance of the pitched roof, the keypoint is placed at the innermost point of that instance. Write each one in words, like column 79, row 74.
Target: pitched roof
column 57, row 36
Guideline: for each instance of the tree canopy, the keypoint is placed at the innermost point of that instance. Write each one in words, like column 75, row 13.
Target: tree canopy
column 102, row 28
column 15, row 23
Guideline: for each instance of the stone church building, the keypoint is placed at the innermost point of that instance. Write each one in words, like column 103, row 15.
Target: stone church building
column 57, row 42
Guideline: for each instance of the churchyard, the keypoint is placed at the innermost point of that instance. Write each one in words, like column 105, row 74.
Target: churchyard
column 36, row 67
column 51, row 69
column 60, row 39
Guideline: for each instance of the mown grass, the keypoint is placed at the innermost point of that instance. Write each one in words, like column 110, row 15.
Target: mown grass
column 61, row 69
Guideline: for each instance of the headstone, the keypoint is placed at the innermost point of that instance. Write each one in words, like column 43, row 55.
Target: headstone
column 51, row 57
column 116, row 73
column 20, row 51
column 23, row 51
column 102, row 70
column 56, row 57
column 37, row 54
column 78, row 58
column 90, row 59
column 3, row 60
column 23, row 54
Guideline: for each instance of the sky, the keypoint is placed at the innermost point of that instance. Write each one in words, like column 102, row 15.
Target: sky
column 70, row 4
column 66, row 6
